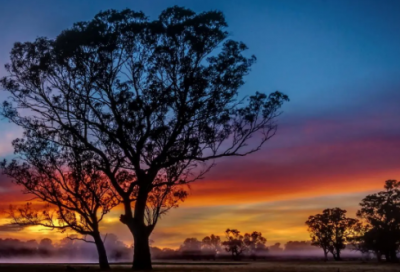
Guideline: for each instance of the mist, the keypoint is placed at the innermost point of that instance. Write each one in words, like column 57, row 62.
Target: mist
column 70, row 250
column 67, row 250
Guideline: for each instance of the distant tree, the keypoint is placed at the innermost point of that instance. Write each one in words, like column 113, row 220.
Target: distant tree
column 116, row 249
column 168, row 251
column 331, row 230
column 156, row 252
column 190, row 244
column 147, row 97
column 77, row 194
column 212, row 243
column 32, row 245
column 255, row 243
column 234, row 243
column 342, row 231
column 69, row 247
column 10, row 248
column 191, row 248
column 381, row 211
column 320, row 232
column 46, row 247
column 298, row 246
column 275, row 248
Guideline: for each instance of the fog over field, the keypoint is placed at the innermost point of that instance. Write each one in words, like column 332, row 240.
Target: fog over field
column 76, row 251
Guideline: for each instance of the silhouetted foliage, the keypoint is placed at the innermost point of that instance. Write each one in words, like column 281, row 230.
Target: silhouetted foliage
column 255, row 244
column 381, row 211
column 366, row 240
column 298, row 246
column 211, row 243
column 77, row 194
column 234, row 243
column 331, row 230
column 10, row 248
column 150, row 99
column 45, row 247
column 191, row 248
column 275, row 248
column 65, row 250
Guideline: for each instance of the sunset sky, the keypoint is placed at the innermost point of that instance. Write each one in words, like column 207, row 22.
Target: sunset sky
column 338, row 138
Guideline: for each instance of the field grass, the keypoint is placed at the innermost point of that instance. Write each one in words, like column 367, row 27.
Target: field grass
column 303, row 266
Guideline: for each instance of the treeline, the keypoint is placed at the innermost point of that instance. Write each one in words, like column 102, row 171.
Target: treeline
column 234, row 246
column 249, row 245
column 375, row 231
column 69, row 248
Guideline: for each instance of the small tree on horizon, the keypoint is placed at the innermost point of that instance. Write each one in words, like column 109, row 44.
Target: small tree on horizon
column 255, row 243
column 152, row 100
column 212, row 242
column 330, row 231
column 275, row 248
column 234, row 243
column 190, row 245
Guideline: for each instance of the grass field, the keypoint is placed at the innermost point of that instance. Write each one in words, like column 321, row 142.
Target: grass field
column 304, row 266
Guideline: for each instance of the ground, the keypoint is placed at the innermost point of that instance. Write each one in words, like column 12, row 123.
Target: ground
column 304, row 266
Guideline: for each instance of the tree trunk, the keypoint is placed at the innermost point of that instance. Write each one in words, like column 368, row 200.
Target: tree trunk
column 141, row 250
column 393, row 256
column 141, row 233
column 101, row 251
column 378, row 256
column 338, row 258
column 325, row 256
column 138, row 228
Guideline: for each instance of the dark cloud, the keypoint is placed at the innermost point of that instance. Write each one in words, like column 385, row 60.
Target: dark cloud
column 10, row 228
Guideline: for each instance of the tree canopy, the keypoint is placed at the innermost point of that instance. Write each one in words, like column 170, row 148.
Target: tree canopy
column 381, row 212
column 331, row 230
column 77, row 195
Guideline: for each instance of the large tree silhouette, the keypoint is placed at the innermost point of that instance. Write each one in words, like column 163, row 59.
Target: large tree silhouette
column 381, row 211
column 149, row 98
column 331, row 230
column 77, row 195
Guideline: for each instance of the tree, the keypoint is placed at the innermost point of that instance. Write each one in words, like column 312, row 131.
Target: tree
column 77, row 195
column 331, row 230
column 292, row 246
column 212, row 242
column 234, row 243
column 191, row 248
column 149, row 98
column 117, row 249
column 275, row 248
column 367, row 239
column 45, row 247
column 190, row 245
column 381, row 211
column 320, row 232
column 255, row 243
column 342, row 231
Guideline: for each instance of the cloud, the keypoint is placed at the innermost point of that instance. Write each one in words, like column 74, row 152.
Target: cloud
column 10, row 228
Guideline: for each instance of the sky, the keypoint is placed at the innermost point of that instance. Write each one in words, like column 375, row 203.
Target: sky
column 338, row 138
